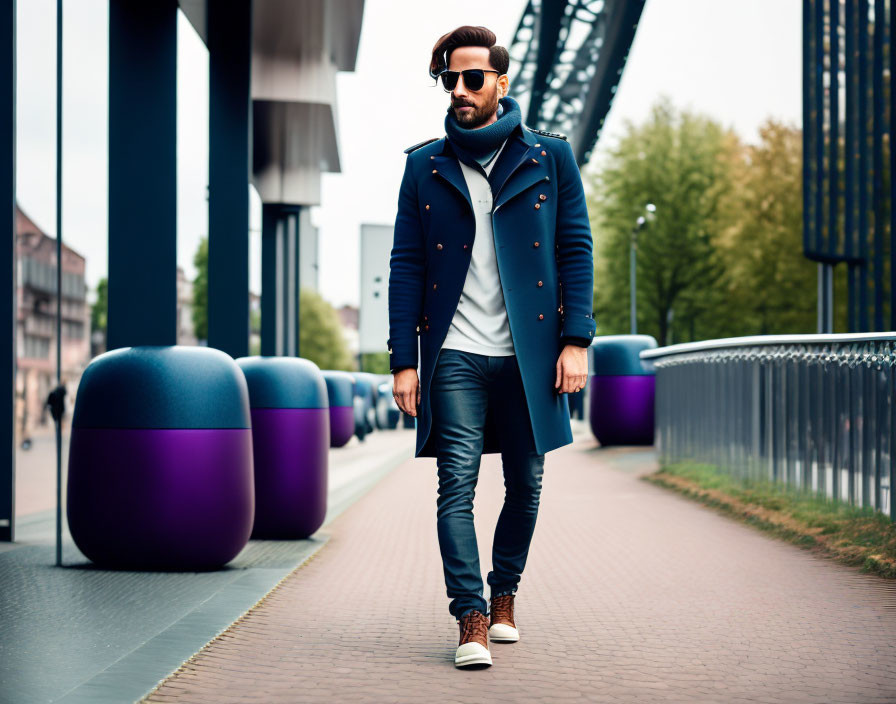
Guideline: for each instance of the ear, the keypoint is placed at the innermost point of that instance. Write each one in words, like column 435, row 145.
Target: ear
column 503, row 85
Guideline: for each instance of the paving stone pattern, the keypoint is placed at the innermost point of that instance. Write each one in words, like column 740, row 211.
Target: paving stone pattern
column 632, row 593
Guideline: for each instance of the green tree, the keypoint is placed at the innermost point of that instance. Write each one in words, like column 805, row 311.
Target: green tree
column 320, row 333
column 675, row 161
column 376, row 362
column 99, row 311
column 254, row 331
column 772, row 285
column 255, row 321
column 200, row 291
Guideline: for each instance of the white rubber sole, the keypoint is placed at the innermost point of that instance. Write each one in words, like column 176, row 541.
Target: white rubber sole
column 503, row 633
column 472, row 654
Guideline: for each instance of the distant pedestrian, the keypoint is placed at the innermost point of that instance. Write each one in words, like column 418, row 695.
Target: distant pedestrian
column 491, row 268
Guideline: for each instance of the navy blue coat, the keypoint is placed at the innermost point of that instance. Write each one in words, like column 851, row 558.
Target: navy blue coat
column 543, row 248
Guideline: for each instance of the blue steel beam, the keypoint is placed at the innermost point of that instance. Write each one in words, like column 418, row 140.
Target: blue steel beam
column 8, row 261
column 271, row 286
column 230, row 105
column 142, row 173
column 877, row 141
column 892, row 194
column 290, row 266
column 863, row 163
column 849, row 159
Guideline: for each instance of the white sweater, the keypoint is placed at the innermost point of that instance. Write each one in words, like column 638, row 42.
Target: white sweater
column 480, row 322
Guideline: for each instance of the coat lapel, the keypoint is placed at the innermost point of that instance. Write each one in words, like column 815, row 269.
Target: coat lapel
column 448, row 167
column 521, row 169
column 510, row 159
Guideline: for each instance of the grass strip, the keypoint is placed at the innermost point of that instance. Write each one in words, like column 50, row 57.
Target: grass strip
column 852, row 535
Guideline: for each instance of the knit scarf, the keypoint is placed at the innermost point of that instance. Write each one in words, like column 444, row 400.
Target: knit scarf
column 484, row 140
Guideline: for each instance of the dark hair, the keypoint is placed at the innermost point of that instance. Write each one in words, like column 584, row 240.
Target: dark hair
column 467, row 35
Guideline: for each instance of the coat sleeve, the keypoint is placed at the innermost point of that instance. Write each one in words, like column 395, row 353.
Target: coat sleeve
column 577, row 341
column 575, row 260
column 406, row 275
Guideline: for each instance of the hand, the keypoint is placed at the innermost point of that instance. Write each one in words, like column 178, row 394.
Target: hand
column 572, row 369
column 406, row 390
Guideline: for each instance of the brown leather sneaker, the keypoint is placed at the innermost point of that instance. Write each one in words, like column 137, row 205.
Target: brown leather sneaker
column 502, row 629
column 473, row 646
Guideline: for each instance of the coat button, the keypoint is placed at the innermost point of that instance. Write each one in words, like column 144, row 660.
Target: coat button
column 432, row 157
column 534, row 160
column 535, row 244
column 539, row 283
column 537, row 206
column 425, row 318
column 466, row 245
column 541, row 316
column 418, row 328
column 541, row 196
column 434, row 285
column 538, row 145
column 426, row 326
column 544, row 153
column 427, row 205
column 435, row 171
column 439, row 245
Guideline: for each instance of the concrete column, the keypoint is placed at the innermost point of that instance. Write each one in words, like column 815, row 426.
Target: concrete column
column 280, row 279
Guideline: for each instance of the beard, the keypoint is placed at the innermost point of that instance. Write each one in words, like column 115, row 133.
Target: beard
column 480, row 114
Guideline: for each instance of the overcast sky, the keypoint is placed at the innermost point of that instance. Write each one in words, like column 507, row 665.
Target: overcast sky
column 739, row 62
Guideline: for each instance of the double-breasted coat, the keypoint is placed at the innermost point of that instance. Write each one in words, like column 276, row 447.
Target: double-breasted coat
column 543, row 247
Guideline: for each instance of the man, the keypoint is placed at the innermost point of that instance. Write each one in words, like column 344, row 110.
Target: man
column 491, row 268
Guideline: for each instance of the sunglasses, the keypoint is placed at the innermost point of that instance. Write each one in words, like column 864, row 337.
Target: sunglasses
column 474, row 78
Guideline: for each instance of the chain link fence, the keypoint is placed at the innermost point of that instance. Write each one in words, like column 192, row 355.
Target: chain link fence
column 814, row 412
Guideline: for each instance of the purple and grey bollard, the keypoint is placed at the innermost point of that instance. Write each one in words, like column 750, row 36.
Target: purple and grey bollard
column 340, row 391
column 291, row 442
column 365, row 403
column 622, row 390
column 160, row 462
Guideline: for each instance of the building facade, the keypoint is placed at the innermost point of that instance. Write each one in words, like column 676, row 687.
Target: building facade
column 36, row 340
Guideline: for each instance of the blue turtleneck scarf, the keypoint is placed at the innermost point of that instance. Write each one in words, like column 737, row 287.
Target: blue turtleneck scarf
column 481, row 142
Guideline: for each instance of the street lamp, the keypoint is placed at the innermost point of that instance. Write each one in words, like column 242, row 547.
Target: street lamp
column 633, row 283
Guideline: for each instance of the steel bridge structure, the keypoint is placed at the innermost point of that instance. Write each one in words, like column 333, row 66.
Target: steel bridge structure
column 567, row 57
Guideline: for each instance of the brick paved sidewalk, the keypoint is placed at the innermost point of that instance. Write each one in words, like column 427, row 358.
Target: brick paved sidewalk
column 631, row 594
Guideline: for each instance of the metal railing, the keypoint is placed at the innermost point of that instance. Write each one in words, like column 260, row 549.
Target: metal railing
column 814, row 412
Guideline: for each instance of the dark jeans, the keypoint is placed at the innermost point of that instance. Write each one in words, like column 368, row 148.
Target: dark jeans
column 463, row 387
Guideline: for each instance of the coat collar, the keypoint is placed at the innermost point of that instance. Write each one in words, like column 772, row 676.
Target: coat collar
column 512, row 173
